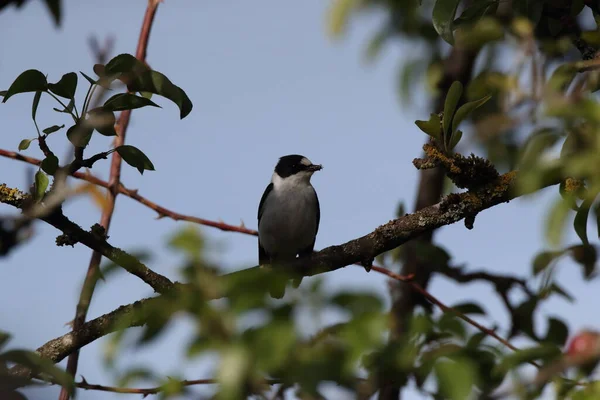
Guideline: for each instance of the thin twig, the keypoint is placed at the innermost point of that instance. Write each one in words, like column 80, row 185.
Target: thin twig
column 133, row 194
column 91, row 277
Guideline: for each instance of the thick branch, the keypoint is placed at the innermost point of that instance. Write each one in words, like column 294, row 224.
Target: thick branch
column 94, row 240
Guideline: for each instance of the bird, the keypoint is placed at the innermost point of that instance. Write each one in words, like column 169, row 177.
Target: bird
column 288, row 215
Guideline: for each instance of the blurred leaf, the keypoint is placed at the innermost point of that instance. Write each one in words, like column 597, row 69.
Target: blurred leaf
column 449, row 322
column 562, row 77
column 79, row 135
column 469, row 308
column 376, row 43
column 557, row 217
column 531, row 9
column 543, row 259
column 457, row 377
column 581, row 218
column 476, row 10
column 452, row 99
column 454, row 139
column 358, row 304
column 476, row 340
column 157, row 83
column 54, row 6
column 29, row 81
column 134, row 157
column 127, row 101
column 338, row 15
column 133, row 375
column 66, row 86
column 466, row 109
column 586, row 256
column 523, row 320
column 557, row 333
column 189, row 240
column 4, row 338
column 38, row 364
column 233, row 371
column 443, row 15
column 40, row 185
column 24, row 144
column 433, row 127
column 52, row 129
column 513, row 360
column 554, row 288
column 102, row 120
column 50, row 164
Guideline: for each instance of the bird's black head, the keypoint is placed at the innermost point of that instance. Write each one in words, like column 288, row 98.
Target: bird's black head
column 293, row 164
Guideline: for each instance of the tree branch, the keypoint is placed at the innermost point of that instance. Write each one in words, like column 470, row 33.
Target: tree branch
column 89, row 283
column 133, row 194
column 95, row 240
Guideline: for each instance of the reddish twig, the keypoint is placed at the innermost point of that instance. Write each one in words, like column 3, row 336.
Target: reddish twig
column 133, row 194
column 447, row 309
column 92, row 274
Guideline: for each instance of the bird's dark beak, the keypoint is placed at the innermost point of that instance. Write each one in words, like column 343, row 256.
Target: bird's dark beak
column 315, row 168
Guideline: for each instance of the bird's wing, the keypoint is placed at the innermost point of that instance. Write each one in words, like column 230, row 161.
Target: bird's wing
column 263, row 257
column 262, row 200
column 307, row 251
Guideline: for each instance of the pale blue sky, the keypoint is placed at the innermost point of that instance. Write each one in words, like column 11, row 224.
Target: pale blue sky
column 265, row 81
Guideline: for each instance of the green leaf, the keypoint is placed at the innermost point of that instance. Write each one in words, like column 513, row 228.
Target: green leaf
column 338, row 16
column 358, row 304
column 24, row 144
column 102, row 120
column 555, row 223
column 55, row 10
column 52, row 129
column 475, row 11
column 580, row 221
column 452, row 99
column 155, row 82
column 469, row 308
column 456, row 377
column 454, row 139
column 66, row 87
column 68, row 109
column 36, row 102
column 50, row 164
column 121, row 64
column 543, row 259
column 39, row 365
column 561, row 78
column 523, row 317
column 466, row 109
column 80, row 135
column 89, row 79
column 558, row 332
column 512, row 360
column 127, row 101
column 586, row 256
column 443, row 15
column 3, row 92
column 41, row 183
column 554, row 288
column 134, row 157
column 31, row 80
column 433, row 127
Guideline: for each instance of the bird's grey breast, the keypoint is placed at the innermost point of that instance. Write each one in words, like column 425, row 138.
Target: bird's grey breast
column 289, row 219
